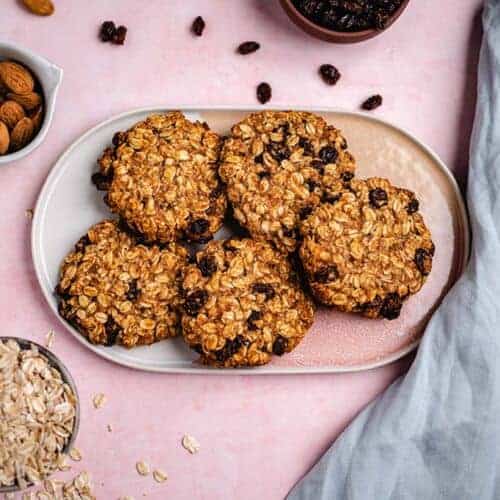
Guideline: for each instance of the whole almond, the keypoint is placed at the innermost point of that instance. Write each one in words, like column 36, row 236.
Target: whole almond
column 37, row 118
column 28, row 101
column 10, row 113
column 40, row 7
column 21, row 134
column 4, row 138
column 16, row 78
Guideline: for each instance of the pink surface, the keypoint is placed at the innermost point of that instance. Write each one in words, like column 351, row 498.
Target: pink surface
column 258, row 435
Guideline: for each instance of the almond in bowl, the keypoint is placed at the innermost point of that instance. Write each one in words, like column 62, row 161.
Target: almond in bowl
column 21, row 106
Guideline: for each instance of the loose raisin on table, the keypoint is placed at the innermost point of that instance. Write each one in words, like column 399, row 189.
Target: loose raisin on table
column 248, row 47
column 107, row 31
column 120, row 35
column 378, row 197
column 372, row 102
column 198, row 26
column 329, row 73
column 264, row 92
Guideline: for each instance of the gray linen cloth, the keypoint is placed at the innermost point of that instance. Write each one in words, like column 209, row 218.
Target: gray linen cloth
column 435, row 433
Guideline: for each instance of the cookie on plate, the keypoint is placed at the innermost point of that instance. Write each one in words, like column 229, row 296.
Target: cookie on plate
column 278, row 166
column 368, row 251
column 161, row 179
column 115, row 291
column 242, row 304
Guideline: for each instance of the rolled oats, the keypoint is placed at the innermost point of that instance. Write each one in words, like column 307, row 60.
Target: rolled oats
column 114, row 290
column 242, row 303
column 191, row 444
column 161, row 178
column 142, row 468
column 99, row 400
column 37, row 416
column 159, row 476
column 278, row 166
column 368, row 251
column 75, row 454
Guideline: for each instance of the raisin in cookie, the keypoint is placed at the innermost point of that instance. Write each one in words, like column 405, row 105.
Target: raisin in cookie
column 161, row 179
column 113, row 290
column 242, row 304
column 368, row 251
column 278, row 166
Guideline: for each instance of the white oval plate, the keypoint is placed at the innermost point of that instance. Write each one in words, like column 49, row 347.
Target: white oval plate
column 69, row 204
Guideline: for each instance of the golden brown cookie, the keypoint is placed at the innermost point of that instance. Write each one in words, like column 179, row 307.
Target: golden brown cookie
column 115, row 291
column 278, row 166
column 368, row 251
column 161, row 179
column 242, row 304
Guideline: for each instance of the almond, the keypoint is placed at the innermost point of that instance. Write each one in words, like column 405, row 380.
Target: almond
column 10, row 113
column 40, row 7
column 37, row 118
column 4, row 138
column 28, row 101
column 16, row 78
column 22, row 134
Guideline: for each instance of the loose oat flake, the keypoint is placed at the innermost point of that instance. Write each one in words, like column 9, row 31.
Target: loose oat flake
column 50, row 338
column 190, row 444
column 37, row 415
column 75, row 454
column 159, row 476
column 142, row 468
column 99, row 400
column 29, row 213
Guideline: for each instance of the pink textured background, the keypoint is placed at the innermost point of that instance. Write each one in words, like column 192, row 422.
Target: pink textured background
column 258, row 435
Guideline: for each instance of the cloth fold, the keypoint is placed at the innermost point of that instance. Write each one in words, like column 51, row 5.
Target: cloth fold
column 435, row 433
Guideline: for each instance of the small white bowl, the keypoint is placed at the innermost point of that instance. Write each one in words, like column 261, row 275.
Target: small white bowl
column 49, row 76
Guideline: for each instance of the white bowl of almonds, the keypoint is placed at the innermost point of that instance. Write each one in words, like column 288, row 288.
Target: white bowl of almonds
column 39, row 413
column 28, row 91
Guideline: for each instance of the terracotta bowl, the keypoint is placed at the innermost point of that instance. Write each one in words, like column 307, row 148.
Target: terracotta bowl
column 328, row 35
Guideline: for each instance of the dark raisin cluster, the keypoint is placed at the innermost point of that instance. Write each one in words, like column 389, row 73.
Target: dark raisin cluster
column 110, row 33
column 349, row 15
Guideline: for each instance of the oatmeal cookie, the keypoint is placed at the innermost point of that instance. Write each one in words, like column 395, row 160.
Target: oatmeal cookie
column 114, row 290
column 278, row 166
column 368, row 251
column 242, row 304
column 161, row 179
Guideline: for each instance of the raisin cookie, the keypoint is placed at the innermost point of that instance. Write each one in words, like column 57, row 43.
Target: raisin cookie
column 113, row 290
column 242, row 304
column 161, row 179
column 278, row 166
column 368, row 251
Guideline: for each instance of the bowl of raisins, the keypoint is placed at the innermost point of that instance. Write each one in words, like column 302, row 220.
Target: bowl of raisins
column 344, row 21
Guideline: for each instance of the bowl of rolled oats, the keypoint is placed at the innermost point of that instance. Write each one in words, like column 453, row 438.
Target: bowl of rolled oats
column 39, row 413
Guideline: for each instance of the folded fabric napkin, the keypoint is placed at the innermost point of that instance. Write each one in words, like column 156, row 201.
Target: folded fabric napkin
column 435, row 433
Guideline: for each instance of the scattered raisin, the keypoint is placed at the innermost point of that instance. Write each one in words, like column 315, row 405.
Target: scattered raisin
column 319, row 166
column 227, row 245
column 259, row 159
column 119, row 138
column 423, row 261
column 113, row 330
column 311, row 185
column 391, row 306
column 413, row 206
column 373, row 306
column 216, row 191
column 195, row 301
column 378, row 197
column 279, row 152
column 347, row 176
column 304, row 212
column 372, row 102
column 247, row 48
column 198, row 26
column 198, row 226
column 133, row 291
column 329, row 73
column 107, row 31
column 83, row 242
column 279, row 346
column 328, row 154
column 254, row 316
column 120, row 35
column 264, row 288
column 306, row 146
column 207, row 265
column 290, row 233
column 102, row 181
column 330, row 198
column 197, row 348
column 264, row 174
column 230, row 348
column 264, row 92
column 326, row 274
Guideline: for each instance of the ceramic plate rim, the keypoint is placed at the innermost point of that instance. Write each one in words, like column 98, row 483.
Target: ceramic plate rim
column 57, row 170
